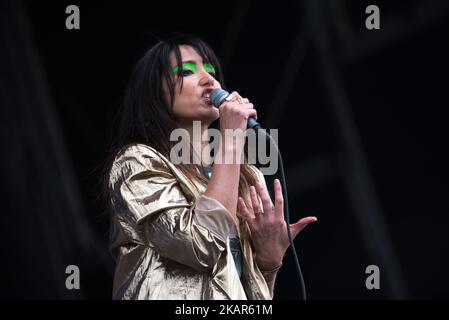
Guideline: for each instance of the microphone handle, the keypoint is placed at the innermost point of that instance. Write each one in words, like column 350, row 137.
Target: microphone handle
column 253, row 124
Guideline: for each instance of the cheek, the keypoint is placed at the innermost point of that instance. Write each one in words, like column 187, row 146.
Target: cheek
column 181, row 104
column 177, row 100
column 167, row 96
column 186, row 102
column 186, row 97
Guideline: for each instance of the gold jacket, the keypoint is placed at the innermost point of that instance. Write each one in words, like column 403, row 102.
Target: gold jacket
column 171, row 242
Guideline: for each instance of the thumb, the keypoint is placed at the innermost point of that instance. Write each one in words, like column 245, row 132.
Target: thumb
column 298, row 226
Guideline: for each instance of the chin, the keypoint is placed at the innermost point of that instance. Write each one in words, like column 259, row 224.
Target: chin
column 203, row 114
column 211, row 114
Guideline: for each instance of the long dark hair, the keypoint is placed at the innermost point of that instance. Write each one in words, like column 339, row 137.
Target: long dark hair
column 146, row 117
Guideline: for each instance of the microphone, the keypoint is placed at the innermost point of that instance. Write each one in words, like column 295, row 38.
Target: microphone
column 218, row 96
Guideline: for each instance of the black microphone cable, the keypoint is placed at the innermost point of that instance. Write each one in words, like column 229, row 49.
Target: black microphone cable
column 287, row 216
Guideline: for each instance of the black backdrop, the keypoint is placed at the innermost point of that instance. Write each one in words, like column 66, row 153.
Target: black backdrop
column 359, row 113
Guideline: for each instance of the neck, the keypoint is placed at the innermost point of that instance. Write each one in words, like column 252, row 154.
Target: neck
column 203, row 146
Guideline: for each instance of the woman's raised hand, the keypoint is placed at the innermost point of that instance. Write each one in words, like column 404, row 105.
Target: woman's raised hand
column 268, row 226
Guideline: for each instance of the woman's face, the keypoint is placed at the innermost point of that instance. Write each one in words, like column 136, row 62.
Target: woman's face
column 192, row 102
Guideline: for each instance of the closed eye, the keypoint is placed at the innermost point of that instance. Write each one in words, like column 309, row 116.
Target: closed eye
column 187, row 69
column 185, row 73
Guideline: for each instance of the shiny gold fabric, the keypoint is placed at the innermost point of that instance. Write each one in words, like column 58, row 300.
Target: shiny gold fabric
column 170, row 241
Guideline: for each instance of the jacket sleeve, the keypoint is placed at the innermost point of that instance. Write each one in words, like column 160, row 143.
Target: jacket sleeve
column 149, row 199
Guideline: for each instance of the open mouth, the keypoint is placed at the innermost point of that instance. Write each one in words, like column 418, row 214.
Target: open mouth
column 206, row 98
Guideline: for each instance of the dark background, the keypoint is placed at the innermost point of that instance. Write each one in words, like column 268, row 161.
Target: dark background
column 360, row 119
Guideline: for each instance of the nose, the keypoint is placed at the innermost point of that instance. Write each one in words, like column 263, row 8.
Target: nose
column 207, row 79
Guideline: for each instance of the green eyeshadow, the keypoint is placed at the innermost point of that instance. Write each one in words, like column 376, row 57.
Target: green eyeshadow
column 185, row 66
column 192, row 67
column 209, row 68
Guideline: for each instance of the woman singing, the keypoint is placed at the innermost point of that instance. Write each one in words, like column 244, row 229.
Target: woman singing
column 189, row 230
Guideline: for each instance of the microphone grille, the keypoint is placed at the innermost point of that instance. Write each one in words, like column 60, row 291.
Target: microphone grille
column 218, row 96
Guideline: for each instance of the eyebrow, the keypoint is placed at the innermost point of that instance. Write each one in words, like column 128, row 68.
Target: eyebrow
column 189, row 61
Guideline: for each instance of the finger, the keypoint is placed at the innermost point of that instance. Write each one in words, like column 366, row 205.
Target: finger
column 255, row 202
column 245, row 100
column 253, row 113
column 233, row 98
column 297, row 227
column 246, row 215
column 242, row 207
column 278, row 198
column 244, row 105
column 230, row 97
column 236, row 96
column 249, row 113
column 265, row 197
